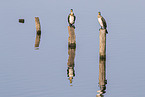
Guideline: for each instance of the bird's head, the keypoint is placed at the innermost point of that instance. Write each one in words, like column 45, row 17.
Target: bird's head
column 71, row 10
column 99, row 13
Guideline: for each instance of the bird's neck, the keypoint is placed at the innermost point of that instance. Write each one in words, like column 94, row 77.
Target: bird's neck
column 99, row 16
column 71, row 13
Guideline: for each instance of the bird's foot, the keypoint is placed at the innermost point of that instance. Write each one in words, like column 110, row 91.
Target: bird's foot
column 100, row 28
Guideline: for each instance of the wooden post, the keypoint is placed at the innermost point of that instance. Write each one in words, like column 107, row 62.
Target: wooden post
column 38, row 30
column 70, row 64
column 21, row 21
column 102, row 37
column 102, row 63
column 72, row 38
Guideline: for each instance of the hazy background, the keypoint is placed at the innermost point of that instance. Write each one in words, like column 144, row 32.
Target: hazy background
column 26, row 72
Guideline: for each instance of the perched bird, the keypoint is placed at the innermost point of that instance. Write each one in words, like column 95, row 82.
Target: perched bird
column 102, row 22
column 71, row 18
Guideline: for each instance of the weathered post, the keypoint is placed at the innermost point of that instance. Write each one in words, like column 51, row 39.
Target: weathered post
column 102, row 37
column 21, row 20
column 102, row 63
column 70, row 63
column 72, row 37
column 38, row 31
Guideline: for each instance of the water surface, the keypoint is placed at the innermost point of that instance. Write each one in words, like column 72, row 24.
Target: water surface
column 26, row 72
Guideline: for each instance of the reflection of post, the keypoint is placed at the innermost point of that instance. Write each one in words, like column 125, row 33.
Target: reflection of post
column 102, row 77
column 70, row 64
column 102, row 38
column 38, row 30
column 37, row 40
column 72, row 38
column 102, row 74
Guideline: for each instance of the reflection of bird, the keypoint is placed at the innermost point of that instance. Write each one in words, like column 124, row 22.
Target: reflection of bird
column 102, row 22
column 70, row 73
column 71, row 18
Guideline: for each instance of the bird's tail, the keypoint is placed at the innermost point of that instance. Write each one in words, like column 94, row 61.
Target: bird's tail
column 106, row 31
column 70, row 25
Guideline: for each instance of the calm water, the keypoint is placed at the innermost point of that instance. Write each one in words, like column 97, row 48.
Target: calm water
column 26, row 72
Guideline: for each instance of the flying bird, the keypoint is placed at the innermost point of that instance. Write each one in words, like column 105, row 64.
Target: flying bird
column 102, row 22
column 71, row 19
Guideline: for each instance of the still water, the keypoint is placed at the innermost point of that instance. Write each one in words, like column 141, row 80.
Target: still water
column 26, row 72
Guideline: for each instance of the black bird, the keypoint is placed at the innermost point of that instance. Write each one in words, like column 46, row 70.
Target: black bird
column 71, row 18
column 102, row 22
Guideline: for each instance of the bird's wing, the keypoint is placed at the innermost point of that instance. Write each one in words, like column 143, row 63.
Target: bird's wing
column 74, row 18
column 104, row 22
column 68, row 18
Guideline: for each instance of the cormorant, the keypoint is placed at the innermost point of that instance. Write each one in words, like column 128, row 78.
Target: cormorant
column 71, row 19
column 102, row 22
